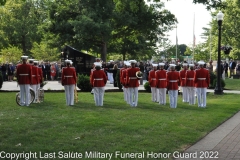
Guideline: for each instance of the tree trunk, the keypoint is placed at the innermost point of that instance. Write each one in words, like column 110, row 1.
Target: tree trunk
column 24, row 49
column 124, row 56
column 104, row 52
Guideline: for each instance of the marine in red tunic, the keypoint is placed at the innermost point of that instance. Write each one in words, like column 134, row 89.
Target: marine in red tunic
column 152, row 83
column 69, row 81
column 161, row 78
column 98, row 82
column 132, row 83
column 24, row 78
column 161, row 83
column 190, row 84
column 173, row 79
column 24, row 74
column 182, row 74
column 202, row 81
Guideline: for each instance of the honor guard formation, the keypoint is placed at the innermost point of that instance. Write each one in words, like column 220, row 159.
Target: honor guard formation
column 163, row 78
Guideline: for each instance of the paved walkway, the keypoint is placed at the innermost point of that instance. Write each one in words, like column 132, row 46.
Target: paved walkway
column 223, row 143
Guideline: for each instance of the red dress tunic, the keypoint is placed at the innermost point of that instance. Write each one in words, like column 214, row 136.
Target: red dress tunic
column 190, row 78
column 131, row 78
column 173, row 79
column 152, row 78
column 24, row 74
column 202, row 78
column 98, row 78
column 68, row 76
column 161, row 78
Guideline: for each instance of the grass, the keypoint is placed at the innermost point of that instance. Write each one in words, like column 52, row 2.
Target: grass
column 52, row 126
column 232, row 84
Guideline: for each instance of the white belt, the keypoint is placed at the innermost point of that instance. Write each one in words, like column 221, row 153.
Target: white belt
column 190, row 78
column 98, row 79
column 23, row 74
column 173, row 81
column 153, row 78
column 183, row 78
column 68, row 76
column 132, row 77
column 161, row 79
column 201, row 78
column 33, row 75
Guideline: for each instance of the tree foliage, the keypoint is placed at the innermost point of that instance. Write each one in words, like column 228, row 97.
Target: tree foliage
column 230, row 34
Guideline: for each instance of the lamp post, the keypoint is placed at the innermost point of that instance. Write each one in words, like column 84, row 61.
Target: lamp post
column 218, row 88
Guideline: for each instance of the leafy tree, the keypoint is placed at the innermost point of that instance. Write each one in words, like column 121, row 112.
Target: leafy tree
column 230, row 31
column 19, row 23
column 44, row 52
column 121, row 26
column 201, row 52
column 11, row 54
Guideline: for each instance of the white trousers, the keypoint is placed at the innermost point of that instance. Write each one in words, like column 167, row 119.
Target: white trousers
column 110, row 77
column 202, row 97
column 98, row 95
column 38, row 87
column 154, row 94
column 127, row 95
column 35, row 89
column 69, row 94
column 185, row 94
column 24, row 94
column 162, row 95
column 191, row 95
column 133, row 96
column 173, row 96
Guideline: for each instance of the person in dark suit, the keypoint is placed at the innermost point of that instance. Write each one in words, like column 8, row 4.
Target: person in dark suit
column 48, row 70
column 232, row 66
column 225, row 65
column 42, row 65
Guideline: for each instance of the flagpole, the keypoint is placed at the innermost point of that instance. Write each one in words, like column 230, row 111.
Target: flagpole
column 176, row 43
column 193, row 35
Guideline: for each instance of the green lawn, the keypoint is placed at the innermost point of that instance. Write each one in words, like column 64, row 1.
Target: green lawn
column 233, row 84
column 51, row 127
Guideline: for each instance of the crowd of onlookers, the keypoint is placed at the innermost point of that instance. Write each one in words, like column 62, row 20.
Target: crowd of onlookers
column 52, row 71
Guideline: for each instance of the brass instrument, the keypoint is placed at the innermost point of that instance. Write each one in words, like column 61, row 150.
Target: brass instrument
column 139, row 74
column 75, row 95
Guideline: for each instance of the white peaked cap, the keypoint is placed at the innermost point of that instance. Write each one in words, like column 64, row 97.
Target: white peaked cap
column 201, row 62
column 184, row 64
column 132, row 61
column 67, row 61
column 161, row 64
column 154, row 65
column 24, row 57
column 35, row 61
column 191, row 65
column 111, row 61
column 31, row 60
column 172, row 65
column 98, row 64
column 128, row 64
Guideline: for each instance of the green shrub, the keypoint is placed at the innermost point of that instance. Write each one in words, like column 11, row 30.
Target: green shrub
column 212, row 78
column 223, row 84
column 118, row 80
column 83, row 83
column 1, row 80
column 147, row 87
